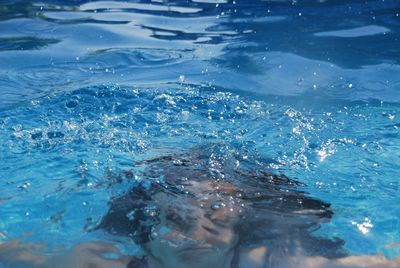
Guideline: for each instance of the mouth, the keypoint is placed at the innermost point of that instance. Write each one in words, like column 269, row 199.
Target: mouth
column 197, row 249
column 202, row 255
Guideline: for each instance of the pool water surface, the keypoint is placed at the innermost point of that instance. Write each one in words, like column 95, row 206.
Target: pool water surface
column 102, row 100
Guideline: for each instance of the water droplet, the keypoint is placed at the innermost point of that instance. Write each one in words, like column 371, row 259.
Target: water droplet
column 131, row 215
column 185, row 115
column 25, row 185
column 365, row 226
column 215, row 206
column 177, row 162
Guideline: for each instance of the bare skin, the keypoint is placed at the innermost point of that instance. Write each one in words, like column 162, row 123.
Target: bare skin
column 14, row 254
column 365, row 261
column 206, row 227
column 88, row 255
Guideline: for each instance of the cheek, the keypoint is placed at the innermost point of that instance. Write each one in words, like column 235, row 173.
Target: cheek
column 170, row 243
column 218, row 229
column 215, row 236
column 162, row 250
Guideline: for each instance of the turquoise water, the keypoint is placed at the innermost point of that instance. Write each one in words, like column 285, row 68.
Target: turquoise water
column 309, row 89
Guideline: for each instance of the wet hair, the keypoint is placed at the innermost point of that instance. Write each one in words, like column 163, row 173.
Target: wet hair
column 278, row 216
column 129, row 215
column 284, row 219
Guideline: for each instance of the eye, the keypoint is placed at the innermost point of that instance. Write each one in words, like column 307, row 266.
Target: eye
column 210, row 230
column 180, row 220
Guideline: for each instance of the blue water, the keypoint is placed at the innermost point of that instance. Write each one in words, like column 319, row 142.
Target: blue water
column 309, row 89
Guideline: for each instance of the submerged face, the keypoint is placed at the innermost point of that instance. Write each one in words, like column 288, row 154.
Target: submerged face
column 197, row 229
column 185, row 214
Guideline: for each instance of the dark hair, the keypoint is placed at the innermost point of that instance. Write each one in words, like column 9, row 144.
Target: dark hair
column 279, row 216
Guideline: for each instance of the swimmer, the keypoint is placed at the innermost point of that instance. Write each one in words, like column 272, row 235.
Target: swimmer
column 185, row 214
column 193, row 210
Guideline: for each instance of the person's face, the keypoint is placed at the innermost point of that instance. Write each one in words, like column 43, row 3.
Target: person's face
column 207, row 242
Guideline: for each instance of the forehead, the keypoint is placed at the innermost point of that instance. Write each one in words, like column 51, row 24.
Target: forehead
column 202, row 201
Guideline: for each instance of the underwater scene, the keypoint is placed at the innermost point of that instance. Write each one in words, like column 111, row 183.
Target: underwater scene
column 200, row 133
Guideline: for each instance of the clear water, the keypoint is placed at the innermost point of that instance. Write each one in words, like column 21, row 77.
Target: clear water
column 309, row 89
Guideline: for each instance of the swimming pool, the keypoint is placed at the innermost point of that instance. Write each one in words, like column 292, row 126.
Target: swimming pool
column 308, row 89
